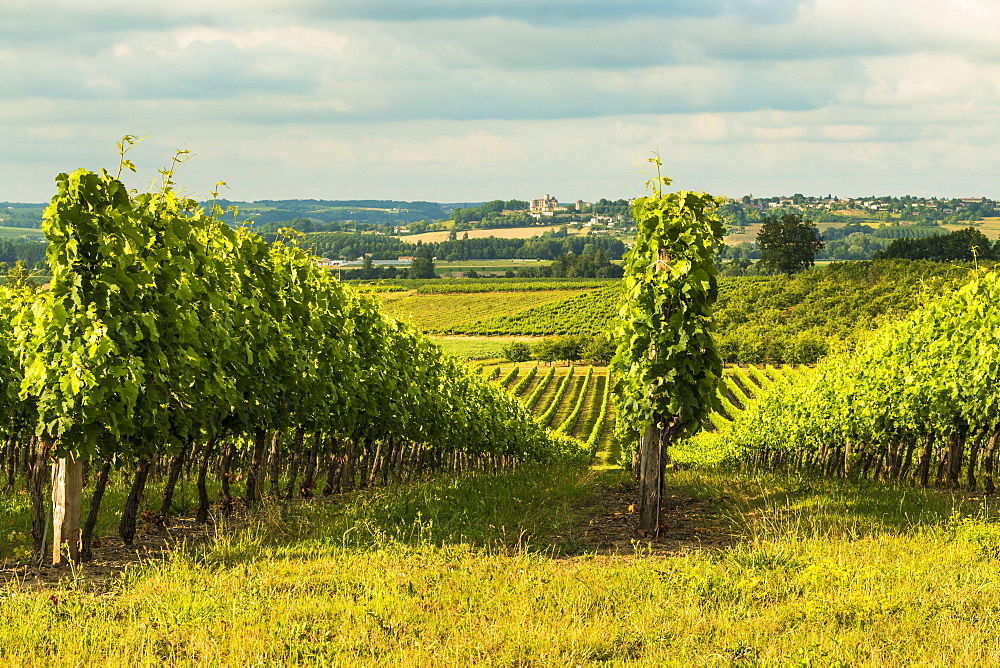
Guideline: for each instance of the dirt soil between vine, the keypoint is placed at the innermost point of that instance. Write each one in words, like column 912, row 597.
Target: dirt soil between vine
column 610, row 524
column 111, row 559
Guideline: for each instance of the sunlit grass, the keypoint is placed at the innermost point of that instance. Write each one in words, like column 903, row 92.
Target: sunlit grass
column 488, row 569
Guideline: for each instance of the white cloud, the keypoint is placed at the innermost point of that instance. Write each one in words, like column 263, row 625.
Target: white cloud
column 448, row 99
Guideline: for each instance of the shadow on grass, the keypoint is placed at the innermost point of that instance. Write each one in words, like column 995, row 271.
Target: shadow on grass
column 768, row 505
column 541, row 510
column 527, row 510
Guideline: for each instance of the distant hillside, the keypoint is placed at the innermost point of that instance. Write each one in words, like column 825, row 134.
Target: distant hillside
column 333, row 212
column 767, row 318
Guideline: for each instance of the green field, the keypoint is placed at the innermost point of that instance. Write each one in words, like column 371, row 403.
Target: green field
column 460, row 268
column 756, row 569
column 444, row 313
column 760, row 318
column 479, row 348
column 28, row 233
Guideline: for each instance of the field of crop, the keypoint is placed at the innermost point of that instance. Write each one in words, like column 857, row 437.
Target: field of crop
column 988, row 226
column 573, row 399
column 460, row 268
column 32, row 233
column 464, row 285
column 473, row 348
column 590, row 313
column 444, row 313
column 504, row 233
column 760, row 319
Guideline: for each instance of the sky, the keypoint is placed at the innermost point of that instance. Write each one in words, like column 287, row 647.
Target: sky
column 473, row 100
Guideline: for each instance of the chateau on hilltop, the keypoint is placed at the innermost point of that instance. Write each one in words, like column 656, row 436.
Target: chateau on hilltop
column 544, row 207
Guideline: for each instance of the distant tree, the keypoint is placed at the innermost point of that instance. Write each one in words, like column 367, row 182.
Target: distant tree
column 559, row 348
column 421, row 267
column 788, row 243
column 599, row 349
column 545, row 350
column 568, row 347
column 418, row 227
column 495, row 206
column 588, row 265
column 516, row 351
column 965, row 244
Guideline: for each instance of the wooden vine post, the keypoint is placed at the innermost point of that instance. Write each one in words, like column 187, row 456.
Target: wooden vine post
column 67, row 497
column 667, row 367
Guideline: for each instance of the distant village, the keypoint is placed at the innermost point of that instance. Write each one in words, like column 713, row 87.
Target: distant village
column 887, row 203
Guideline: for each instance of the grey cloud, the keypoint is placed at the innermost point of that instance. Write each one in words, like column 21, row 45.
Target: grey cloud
column 204, row 70
column 495, row 69
column 54, row 20
column 531, row 11
column 548, row 95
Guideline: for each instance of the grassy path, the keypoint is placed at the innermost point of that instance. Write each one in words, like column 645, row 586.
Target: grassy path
column 590, row 407
column 544, row 402
column 568, row 400
column 752, row 570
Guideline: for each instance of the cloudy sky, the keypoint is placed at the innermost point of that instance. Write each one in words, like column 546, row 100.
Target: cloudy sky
column 465, row 100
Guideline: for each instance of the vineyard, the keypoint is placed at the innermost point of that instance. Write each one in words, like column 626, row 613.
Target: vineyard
column 571, row 400
column 916, row 403
column 171, row 343
column 217, row 453
column 591, row 313
column 443, row 313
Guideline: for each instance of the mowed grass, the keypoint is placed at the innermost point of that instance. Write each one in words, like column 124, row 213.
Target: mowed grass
column 494, row 570
column 489, row 267
column 440, row 313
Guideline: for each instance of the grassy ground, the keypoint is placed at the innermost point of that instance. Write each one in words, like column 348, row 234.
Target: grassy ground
column 472, row 348
column 988, row 226
column 497, row 569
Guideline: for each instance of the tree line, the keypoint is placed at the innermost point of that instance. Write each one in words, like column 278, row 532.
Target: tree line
column 31, row 253
column 350, row 246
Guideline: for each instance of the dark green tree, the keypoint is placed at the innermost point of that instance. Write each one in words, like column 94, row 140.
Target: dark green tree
column 964, row 245
column 788, row 243
column 421, row 267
